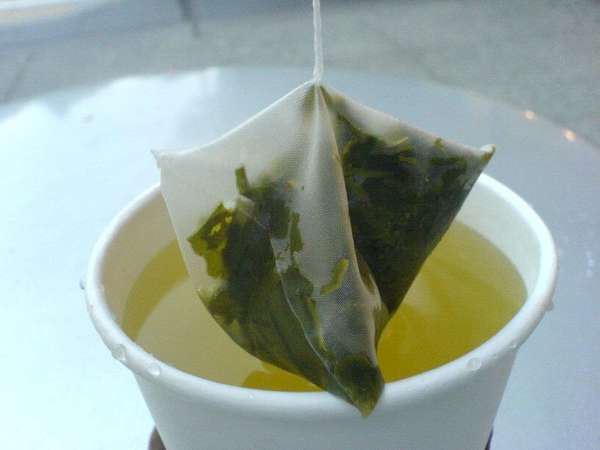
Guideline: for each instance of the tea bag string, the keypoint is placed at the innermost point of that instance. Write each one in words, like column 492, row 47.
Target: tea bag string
column 318, row 41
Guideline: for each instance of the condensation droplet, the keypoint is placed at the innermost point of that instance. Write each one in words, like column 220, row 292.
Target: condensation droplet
column 513, row 346
column 153, row 370
column 82, row 284
column 474, row 364
column 119, row 353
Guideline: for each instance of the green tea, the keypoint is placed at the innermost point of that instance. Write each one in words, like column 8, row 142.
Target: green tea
column 464, row 294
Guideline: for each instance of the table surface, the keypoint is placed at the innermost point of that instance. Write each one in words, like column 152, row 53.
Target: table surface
column 72, row 159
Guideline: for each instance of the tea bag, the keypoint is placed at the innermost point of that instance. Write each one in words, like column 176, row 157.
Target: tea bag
column 303, row 228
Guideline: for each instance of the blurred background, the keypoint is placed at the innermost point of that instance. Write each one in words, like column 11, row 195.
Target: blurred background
column 539, row 55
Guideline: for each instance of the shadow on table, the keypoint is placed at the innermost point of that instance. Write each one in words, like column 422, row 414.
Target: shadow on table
column 157, row 444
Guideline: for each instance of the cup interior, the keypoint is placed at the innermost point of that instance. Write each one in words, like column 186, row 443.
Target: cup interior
column 143, row 229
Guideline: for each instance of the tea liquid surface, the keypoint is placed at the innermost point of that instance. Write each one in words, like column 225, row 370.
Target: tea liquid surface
column 465, row 293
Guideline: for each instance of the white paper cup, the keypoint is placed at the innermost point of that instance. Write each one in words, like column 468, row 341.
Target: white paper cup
column 451, row 407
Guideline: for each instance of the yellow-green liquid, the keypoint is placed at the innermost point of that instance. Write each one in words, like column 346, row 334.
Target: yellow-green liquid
column 465, row 293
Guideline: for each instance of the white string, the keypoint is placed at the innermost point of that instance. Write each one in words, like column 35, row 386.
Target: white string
column 318, row 41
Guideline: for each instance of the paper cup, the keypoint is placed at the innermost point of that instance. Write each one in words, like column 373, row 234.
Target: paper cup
column 451, row 407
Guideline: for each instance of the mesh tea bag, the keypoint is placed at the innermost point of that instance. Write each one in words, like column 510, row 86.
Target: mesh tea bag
column 303, row 228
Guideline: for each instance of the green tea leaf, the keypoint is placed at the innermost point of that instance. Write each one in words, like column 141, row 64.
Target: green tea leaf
column 337, row 276
column 366, row 379
column 296, row 243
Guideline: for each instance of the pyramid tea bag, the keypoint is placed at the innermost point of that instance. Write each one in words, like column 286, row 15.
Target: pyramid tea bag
column 303, row 228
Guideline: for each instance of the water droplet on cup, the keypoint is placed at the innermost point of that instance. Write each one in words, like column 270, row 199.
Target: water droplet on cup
column 119, row 353
column 513, row 346
column 153, row 370
column 82, row 284
column 550, row 306
column 474, row 364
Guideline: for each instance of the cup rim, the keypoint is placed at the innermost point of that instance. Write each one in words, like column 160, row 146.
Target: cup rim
column 313, row 405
